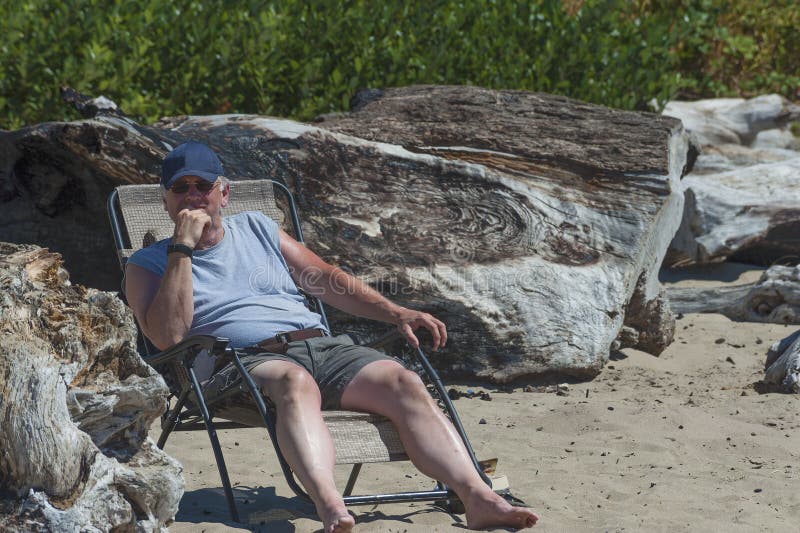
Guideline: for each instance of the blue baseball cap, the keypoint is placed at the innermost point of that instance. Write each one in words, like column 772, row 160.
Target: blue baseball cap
column 190, row 159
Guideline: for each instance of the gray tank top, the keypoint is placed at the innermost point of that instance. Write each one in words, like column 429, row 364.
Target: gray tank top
column 242, row 286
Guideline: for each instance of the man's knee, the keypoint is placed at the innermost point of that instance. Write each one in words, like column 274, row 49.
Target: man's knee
column 291, row 384
column 406, row 383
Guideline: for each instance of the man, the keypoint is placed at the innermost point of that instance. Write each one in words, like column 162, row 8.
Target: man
column 237, row 277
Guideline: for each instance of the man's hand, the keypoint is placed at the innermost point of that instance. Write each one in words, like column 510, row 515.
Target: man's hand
column 189, row 226
column 359, row 298
column 409, row 320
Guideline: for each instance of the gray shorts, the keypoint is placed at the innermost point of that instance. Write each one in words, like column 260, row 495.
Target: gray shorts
column 332, row 361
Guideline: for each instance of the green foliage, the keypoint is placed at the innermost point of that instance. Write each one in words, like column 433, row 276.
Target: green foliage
column 740, row 48
column 298, row 59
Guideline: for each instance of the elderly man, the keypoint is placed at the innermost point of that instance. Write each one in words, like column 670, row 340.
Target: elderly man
column 201, row 281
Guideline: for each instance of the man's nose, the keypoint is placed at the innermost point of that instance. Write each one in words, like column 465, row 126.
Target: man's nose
column 193, row 190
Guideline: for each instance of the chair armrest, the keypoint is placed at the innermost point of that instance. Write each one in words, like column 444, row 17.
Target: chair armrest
column 190, row 347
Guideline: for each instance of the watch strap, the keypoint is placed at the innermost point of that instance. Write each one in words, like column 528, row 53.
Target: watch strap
column 179, row 248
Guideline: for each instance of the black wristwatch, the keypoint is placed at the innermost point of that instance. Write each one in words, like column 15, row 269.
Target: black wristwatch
column 179, row 248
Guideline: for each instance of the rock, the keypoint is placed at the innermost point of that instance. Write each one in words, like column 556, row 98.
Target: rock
column 774, row 298
column 76, row 407
column 741, row 198
column 532, row 224
column 782, row 366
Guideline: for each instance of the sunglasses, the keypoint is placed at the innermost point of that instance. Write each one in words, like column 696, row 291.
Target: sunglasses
column 202, row 186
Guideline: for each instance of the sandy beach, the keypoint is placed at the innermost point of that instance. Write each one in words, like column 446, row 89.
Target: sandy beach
column 687, row 441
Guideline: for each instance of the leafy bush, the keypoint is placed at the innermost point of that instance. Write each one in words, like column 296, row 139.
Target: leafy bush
column 742, row 47
column 298, row 59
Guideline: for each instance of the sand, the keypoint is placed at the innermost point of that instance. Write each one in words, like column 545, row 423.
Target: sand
column 686, row 441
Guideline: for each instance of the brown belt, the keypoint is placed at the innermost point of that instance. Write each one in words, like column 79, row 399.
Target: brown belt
column 280, row 342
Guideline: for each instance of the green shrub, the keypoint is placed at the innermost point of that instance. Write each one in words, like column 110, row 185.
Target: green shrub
column 741, row 48
column 298, row 59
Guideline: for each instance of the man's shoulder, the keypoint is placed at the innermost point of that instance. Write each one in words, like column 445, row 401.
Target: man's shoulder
column 246, row 215
column 252, row 219
column 153, row 257
column 155, row 248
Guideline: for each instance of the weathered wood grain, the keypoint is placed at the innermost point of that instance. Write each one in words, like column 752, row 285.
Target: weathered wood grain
column 774, row 298
column 783, row 364
column 76, row 404
column 529, row 223
column 742, row 195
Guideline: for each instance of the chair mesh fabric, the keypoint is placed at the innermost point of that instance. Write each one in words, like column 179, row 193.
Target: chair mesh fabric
column 357, row 437
column 146, row 221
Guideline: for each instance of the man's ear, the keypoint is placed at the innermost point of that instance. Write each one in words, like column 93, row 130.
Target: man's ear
column 225, row 191
column 164, row 202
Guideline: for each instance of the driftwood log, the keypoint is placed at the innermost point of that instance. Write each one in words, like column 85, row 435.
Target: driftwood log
column 783, row 363
column 76, row 404
column 737, row 121
column 533, row 225
column 741, row 196
column 774, row 298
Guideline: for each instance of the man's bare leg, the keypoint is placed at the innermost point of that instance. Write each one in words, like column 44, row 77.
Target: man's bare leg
column 431, row 441
column 304, row 438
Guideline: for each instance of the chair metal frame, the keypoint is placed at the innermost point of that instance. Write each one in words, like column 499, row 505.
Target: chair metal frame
column 186, row 416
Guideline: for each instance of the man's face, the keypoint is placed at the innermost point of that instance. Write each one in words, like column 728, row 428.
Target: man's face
column 192, row 192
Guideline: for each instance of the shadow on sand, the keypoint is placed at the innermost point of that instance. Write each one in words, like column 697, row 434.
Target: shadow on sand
column 262, row 510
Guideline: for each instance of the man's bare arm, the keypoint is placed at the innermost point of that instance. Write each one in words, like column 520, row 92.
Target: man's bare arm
column 164, row 307
column 343, row 291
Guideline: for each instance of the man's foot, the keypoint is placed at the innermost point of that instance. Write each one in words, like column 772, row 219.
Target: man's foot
column 336, row 519
column 485, row 509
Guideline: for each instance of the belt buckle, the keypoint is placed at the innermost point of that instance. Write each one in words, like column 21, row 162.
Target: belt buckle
column 283, row 337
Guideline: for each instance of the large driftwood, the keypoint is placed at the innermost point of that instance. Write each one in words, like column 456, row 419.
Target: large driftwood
column 774, row 298
column 739, row 121
column 526, row 221
column 76, row 405
column 54, row 181
column 783, row 363
column 751, row 215
column 532, row 224
column 741, row 196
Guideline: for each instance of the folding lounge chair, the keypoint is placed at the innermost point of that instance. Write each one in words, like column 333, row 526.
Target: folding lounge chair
column 138, row 219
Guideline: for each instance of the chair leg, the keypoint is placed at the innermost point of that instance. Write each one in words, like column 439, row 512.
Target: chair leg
column 351, row 481
column 439, row 386
column 212, row 435
column 173, row 418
